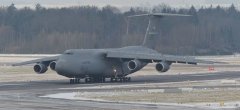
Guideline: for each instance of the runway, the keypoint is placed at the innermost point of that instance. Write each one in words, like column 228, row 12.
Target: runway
column 25, row 95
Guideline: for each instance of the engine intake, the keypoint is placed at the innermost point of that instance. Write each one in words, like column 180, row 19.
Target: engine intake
column 52, row 65
column 163, row 66
column 134, row 65
column 40, row 68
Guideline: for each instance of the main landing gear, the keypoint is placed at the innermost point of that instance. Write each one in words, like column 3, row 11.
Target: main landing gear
column 87, row 80
column 75, row 81
column 95, row 80
column 120, row 79
column 99, row 80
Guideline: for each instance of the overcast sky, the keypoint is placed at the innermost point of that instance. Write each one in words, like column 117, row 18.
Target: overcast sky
column 119, row 3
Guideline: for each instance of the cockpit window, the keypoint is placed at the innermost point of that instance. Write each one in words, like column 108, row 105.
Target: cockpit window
column 68, row 52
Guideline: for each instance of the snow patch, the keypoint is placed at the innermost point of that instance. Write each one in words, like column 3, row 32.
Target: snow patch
column 83, row 96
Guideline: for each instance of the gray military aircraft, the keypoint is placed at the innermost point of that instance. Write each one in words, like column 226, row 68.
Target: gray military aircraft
column 95, row 65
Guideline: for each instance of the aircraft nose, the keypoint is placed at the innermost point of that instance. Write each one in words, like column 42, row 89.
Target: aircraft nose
column 59, row 65
column 66, row 68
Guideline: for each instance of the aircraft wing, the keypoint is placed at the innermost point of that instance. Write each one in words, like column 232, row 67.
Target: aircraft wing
column 46, row 59
column 156, row 57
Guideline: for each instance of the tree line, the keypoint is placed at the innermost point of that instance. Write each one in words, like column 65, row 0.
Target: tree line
column 212, row 30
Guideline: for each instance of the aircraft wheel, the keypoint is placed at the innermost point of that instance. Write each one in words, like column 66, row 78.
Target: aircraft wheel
column 125, row 79
column 91, row 80
column 87, row 80
column 113, row 79
column 121, row 79
column 103, row 79
column 129, row 79
column 77, row 80
column 98, row 79
column 71, row 81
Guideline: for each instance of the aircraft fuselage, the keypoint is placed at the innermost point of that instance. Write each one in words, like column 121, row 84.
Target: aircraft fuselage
column 80, row 63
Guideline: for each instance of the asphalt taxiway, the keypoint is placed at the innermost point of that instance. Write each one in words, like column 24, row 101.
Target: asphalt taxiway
column 26, row 95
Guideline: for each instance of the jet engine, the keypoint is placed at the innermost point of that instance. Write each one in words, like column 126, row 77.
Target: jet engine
column 163, row 66
column 134, row 65
column 40, row 68
column 52, row 65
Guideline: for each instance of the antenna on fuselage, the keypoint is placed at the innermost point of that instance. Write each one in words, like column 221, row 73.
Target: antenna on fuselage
column 150, row 35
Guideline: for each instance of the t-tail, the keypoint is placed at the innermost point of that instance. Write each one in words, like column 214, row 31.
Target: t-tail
column 151, row 33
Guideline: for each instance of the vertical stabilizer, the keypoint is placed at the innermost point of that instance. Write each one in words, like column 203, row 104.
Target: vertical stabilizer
column 151, row 32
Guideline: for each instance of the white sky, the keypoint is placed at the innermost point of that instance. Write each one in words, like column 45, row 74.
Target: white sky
column 120, row 3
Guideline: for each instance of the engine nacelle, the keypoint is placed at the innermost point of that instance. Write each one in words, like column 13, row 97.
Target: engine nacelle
column 40, row 68
column 52, row 65
column 163, row 66
column 134, row 65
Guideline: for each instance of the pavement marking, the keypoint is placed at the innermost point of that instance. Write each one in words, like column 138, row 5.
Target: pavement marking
column 11, row 84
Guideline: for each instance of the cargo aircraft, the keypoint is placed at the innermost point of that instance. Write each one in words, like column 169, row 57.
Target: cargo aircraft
column 95, row 65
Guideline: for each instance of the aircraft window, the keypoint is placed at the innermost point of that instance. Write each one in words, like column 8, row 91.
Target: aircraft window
column 68, row 52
